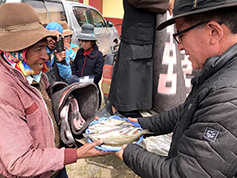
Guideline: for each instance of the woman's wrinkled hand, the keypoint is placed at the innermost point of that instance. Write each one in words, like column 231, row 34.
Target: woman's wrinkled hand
column 89, row 150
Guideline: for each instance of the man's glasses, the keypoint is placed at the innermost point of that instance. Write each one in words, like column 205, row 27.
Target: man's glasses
column 178, row 36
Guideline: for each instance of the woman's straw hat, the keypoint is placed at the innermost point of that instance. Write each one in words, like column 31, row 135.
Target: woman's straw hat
column 20, row 27
column 66, row 29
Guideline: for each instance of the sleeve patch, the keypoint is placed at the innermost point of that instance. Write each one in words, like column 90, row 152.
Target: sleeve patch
column 211, row 134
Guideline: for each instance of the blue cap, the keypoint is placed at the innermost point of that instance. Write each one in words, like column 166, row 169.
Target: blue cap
column 55, row 26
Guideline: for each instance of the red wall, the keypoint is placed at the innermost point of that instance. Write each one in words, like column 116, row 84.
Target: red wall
column 97, row 4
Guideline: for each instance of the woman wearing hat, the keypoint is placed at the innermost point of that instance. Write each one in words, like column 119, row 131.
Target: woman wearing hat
column 89, row 60
column 71, row 47
column 29, row 135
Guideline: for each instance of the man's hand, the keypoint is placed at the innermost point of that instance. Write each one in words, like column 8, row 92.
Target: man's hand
column 132, row 119
column 56, row 33
column 120, row 153
column 171, row 6
column 89, row 150
column 61, row 55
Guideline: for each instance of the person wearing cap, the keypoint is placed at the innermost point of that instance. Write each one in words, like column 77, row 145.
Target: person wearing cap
column 71, row 47
column 60, row 68
column 89, row 60
column 204, row 127
column 29, row 134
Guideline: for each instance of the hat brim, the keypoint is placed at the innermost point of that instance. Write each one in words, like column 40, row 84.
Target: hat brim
column 67, row 33
column 196, row 11
column 16, row 41
column 84, row 37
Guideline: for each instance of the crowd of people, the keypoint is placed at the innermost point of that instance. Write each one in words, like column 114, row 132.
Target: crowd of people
column 74, row 64
column 204, row 127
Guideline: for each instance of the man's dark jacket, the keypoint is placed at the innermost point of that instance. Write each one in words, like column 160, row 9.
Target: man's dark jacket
column 204, row 142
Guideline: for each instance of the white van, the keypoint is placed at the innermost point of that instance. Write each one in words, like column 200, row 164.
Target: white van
column 76, row 14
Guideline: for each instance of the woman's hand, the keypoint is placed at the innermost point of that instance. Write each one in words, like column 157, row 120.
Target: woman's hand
column 89, row 150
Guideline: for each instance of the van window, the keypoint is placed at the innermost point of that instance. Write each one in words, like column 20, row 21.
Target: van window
column 81, row 15
column 98, row 20
column 56, row 11
column 48, row 11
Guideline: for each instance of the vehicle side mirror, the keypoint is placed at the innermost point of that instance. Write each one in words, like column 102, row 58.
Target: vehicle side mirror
column 110, row 24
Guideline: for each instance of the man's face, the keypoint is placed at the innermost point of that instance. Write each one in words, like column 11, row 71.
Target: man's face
column 36, row 55
column 51, row 43
column 194, row 42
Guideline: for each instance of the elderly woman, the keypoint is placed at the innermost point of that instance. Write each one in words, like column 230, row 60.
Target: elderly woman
column 29, row 135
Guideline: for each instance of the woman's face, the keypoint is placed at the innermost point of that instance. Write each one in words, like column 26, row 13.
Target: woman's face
column 36, row 55
column 67, row 39
column 86, row 45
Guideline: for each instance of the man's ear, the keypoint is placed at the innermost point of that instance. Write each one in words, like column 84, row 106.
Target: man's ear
column 215, row 32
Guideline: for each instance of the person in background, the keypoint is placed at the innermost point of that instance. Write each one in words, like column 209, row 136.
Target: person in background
column 29, row 134
column 204, row 127
column 89, row 61
column 60, row 68
column 71, row 47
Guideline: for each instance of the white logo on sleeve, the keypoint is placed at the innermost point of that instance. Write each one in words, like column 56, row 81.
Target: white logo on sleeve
column 211, row 134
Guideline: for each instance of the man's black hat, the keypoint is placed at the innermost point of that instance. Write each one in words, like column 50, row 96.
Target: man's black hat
column 189, row 7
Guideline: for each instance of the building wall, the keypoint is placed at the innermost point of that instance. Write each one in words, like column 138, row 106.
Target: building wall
column 97, row 4
column 112, row 10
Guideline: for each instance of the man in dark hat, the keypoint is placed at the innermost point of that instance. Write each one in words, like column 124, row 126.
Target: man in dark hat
column 204, row 127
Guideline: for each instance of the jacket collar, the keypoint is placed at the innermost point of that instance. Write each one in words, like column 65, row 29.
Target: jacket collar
column 93, row 53
column 214, row 64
